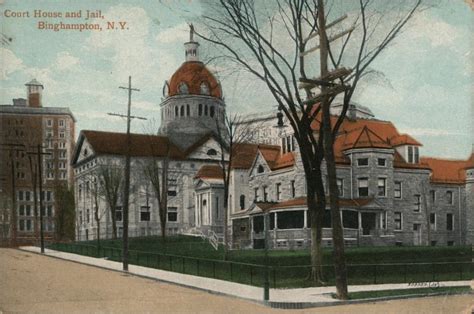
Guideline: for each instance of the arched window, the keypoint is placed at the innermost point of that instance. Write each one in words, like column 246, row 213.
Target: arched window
column 183, row 88
column 182, row 111
column 204, row 88
column 205, row 110
column 242, row 201
column 176, row 111
column 212, row 152
column 200, row 109
column 260, row 169
column 212, row 111
column 187, row 111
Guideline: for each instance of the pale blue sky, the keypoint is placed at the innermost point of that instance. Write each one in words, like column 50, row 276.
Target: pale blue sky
column 428, row 69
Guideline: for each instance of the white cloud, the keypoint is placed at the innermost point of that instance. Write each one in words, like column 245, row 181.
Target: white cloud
column 145, row 105
column 176, row 34
column 9, row 64
column 96, row 115
column 65, row 61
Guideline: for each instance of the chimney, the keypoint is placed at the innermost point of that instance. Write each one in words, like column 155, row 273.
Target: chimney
column 351, row 112
column 19, row 102
column 34, row 91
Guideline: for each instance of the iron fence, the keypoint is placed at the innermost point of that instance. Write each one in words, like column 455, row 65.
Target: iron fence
column 279, row 276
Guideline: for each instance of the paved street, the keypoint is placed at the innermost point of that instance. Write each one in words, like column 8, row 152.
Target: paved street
column 33, row 283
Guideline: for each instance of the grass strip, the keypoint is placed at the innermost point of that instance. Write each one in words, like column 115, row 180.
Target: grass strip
column 405, row 292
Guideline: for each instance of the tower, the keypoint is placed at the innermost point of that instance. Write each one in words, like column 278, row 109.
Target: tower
column 193, row 105
column 34, row 92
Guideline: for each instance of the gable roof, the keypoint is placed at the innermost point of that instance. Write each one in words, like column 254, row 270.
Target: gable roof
column 210, row 172
column 142, row 145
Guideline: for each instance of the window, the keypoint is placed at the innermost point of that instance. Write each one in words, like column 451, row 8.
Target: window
column 87, row 216
column 278, row 191
column 292, row 187
column 242, row 201
column 290, row 219
column 50, row 175
column 62, row 135
column 49, row 196
column 62, row 165
column 145, row 213
column 413, row 154
column 22, row 225
column 172, row 215
column 350, row 219
column 21, row 210
column 204, row 88
column 417, row 202
column 62, row 154
column 260, row 169
column 27, row 196
column 20, row 195
column 362, row 162
column 212, row 152
column 340, row 186
column 172, row 193
column 182, row 111
column 381, row 162
column 433, row 196
column 449, row 222
column 49, row 122
column 432, row 221
column 212, row 111
column 288, row 144
column 118, row 213
column 49, row 134
column 176, row 111
column 182, row 88
column 265, row 194
column 363, row 187
column 398, row 220
column 62, row 145
column 383, row 220
column 397, row 189
column 49, row 211
column 200, row 109
column 80, row 217
column 188, row 111
column 28, row 210
column 205, row 110
column 449, row 197
column 382, row 187
column 256, row 196
column 61, row 123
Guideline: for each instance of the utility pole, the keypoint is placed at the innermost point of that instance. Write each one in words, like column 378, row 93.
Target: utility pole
column 33, row 170
column 13, row 221
column 126, row 190
column 329, row 89
column 39, row 153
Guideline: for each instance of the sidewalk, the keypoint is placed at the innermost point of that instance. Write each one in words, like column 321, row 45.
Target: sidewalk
column 315, row 296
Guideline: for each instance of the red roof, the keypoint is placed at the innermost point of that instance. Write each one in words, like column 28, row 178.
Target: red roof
column 448, row 171
column 210, row 172
column 301, row 201
column 141, row 144
column 193, row 74
column 404, row 139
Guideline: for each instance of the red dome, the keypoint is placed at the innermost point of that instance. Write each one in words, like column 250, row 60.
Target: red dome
column 197, row 78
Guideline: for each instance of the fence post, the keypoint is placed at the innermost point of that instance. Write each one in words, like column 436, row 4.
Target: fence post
column 433, row 271
column 405, row 273
column 375, row 274
column 183, row 265
column 274, row 277
column 197, row 267
column 251, row 275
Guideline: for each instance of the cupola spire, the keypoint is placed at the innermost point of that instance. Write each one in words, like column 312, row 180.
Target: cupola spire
column 191, row 47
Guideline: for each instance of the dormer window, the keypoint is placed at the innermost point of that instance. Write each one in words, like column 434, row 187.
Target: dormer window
column 413, row 155
column 212, row 152
column 183, row 88
column 204, row 88
column 260, row 169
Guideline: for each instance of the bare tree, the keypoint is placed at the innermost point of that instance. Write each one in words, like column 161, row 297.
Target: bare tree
column 156, row 170
column 110, row 183
column 269, row 41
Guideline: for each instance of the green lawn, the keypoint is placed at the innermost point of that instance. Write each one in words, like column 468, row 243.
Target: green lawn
column 407, row 292
column 366, row 265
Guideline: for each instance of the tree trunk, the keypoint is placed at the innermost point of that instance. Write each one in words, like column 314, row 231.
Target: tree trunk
column 226, row 198
column 114, row 224
column 316, row 209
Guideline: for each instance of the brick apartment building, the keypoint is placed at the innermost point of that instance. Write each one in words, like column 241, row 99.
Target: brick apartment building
column 27, row 122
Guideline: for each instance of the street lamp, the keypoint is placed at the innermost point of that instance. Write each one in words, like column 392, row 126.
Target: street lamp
column 266, row 284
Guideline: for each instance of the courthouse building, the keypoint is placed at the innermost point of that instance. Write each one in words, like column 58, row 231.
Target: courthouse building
column 390, row 195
